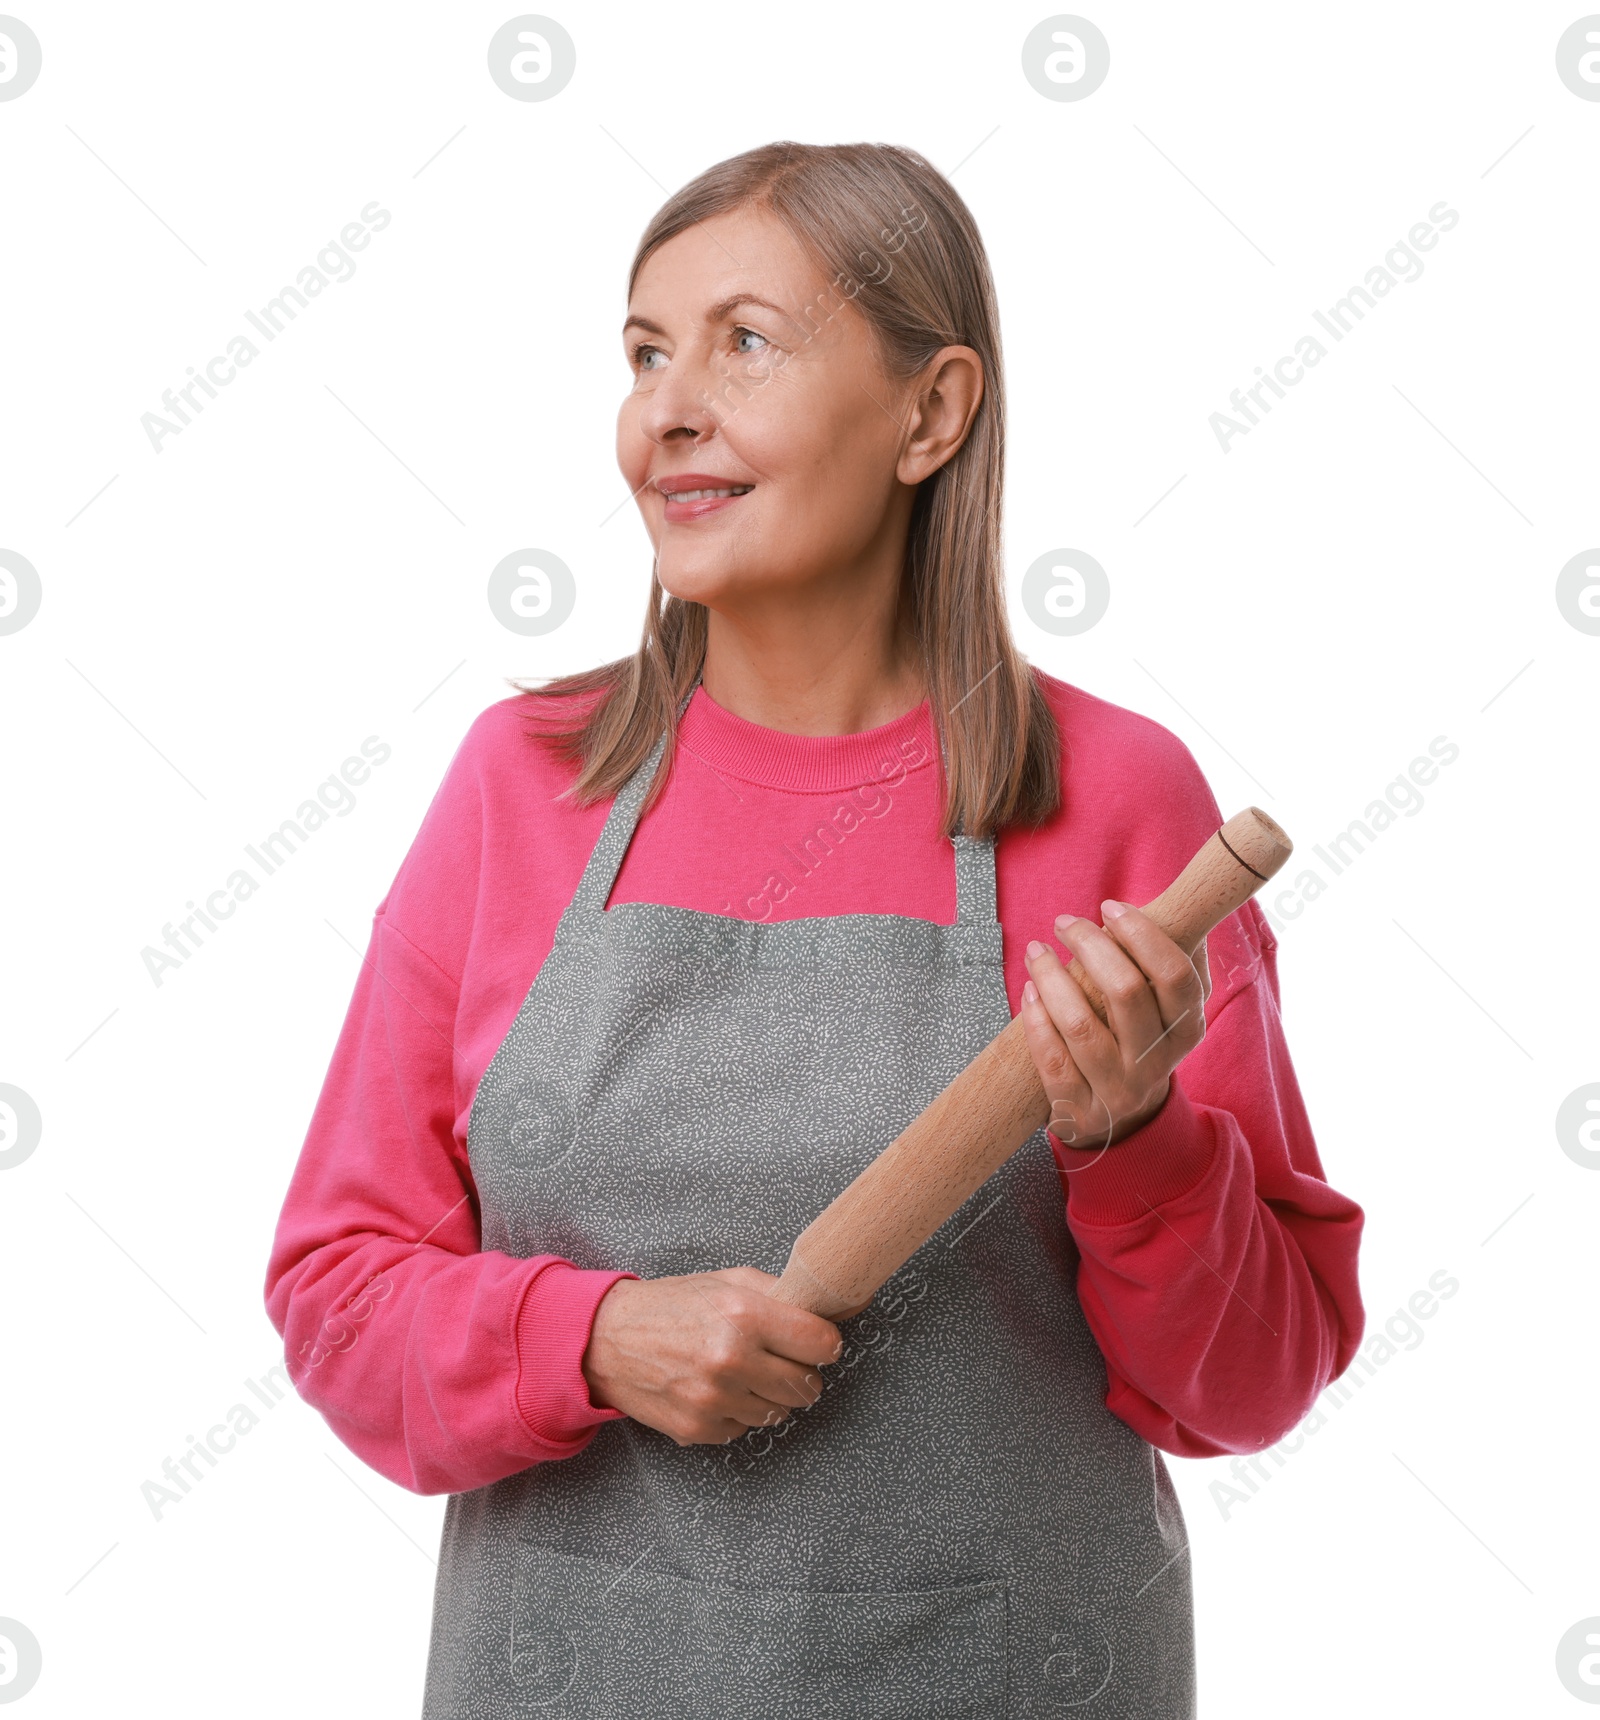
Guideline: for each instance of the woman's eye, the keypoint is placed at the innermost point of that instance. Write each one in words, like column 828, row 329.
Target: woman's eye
column 642, row 356
column 747, row 334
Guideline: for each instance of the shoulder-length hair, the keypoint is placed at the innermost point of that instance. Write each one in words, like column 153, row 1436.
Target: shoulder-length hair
column 897, row 239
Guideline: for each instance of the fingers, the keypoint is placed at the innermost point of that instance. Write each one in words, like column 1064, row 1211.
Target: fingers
column 1103, row 1077
column 1151, row 986
column 1077, row 1115
column 751, row 1277
column 741, row 1385
column 1090, row 1045
column 776, row 1389
column 765, row 1281
column 749, row 1412
column 1131, row 1010
column 787, row 1331
column 703, row 1356
column 1041, row 1027
column 1166, row 972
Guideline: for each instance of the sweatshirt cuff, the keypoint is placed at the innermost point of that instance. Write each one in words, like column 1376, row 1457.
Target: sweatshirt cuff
column 552, row 1332
column 1166, row 1157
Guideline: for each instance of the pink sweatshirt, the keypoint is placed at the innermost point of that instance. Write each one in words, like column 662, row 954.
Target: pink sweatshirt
column 1218, row 1268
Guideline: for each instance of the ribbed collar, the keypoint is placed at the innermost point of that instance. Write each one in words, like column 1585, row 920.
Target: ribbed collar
column 806, row 763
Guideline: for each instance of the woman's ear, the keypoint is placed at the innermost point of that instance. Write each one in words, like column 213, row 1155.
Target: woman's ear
column 943, row 405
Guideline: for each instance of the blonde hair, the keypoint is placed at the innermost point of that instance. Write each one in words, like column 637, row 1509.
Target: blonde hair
column 928, row 286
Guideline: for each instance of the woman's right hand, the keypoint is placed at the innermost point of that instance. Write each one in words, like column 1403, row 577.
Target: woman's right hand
column 704, row 1356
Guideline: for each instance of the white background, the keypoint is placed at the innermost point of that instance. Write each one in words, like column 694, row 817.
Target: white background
column 1372, row 566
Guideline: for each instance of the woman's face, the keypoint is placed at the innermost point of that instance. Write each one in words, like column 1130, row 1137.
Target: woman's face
column 752, row 372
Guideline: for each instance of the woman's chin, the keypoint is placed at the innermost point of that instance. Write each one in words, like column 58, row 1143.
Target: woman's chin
column 710, row 586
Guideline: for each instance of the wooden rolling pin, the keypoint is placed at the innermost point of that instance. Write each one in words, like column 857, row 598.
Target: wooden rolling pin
column 839, row 1261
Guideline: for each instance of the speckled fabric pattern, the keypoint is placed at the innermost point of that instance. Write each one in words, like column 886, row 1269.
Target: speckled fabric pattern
column 959, row 1526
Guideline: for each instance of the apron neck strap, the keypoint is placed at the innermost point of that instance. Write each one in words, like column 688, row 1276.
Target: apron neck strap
column 617, row 832
column 975, row 889
column 605, row 860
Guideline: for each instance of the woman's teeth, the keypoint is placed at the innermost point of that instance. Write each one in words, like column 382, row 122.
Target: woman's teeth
column 701, row 495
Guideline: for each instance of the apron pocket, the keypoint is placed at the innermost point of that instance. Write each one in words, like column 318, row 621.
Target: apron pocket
column 586, row 1638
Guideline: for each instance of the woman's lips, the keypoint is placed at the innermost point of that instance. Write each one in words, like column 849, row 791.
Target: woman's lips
column 698, row 495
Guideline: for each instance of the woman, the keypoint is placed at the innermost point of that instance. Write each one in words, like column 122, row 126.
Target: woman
column 683, row 943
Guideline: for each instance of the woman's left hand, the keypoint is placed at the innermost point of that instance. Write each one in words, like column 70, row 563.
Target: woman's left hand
column 1103, row 1082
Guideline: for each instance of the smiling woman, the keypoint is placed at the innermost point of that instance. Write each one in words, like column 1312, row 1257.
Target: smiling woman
column 582, row 1105
column 825, row 320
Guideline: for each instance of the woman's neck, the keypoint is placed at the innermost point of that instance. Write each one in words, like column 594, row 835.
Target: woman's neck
column 832, row 681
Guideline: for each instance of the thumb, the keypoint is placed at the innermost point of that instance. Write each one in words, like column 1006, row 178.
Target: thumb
column 748, row 1277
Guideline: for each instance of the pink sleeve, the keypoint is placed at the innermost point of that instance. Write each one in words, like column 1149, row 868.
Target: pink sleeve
column 1218, row 1268
column 442, row 1366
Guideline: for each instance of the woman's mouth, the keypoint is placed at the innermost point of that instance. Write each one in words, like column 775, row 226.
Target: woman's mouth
column 694, row 495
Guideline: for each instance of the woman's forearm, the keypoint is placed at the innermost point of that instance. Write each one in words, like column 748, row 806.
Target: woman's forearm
column 1218, row 1268
column 443, row 1366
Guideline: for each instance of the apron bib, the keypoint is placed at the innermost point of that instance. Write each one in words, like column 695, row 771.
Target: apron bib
column 958, row 1526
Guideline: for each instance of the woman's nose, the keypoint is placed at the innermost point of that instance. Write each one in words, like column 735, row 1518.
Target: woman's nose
column 683, row 403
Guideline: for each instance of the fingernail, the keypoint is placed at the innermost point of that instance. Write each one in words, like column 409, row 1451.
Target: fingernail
column 1035, row 949
column 1112, row 910
column 1066, row 920
column 1030, row 993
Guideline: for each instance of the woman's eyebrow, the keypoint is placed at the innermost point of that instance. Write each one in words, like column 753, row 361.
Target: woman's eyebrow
column 724, row 307
column 717, row 313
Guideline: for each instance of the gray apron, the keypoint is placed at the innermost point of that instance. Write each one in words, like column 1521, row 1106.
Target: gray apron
column 958, row 1526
